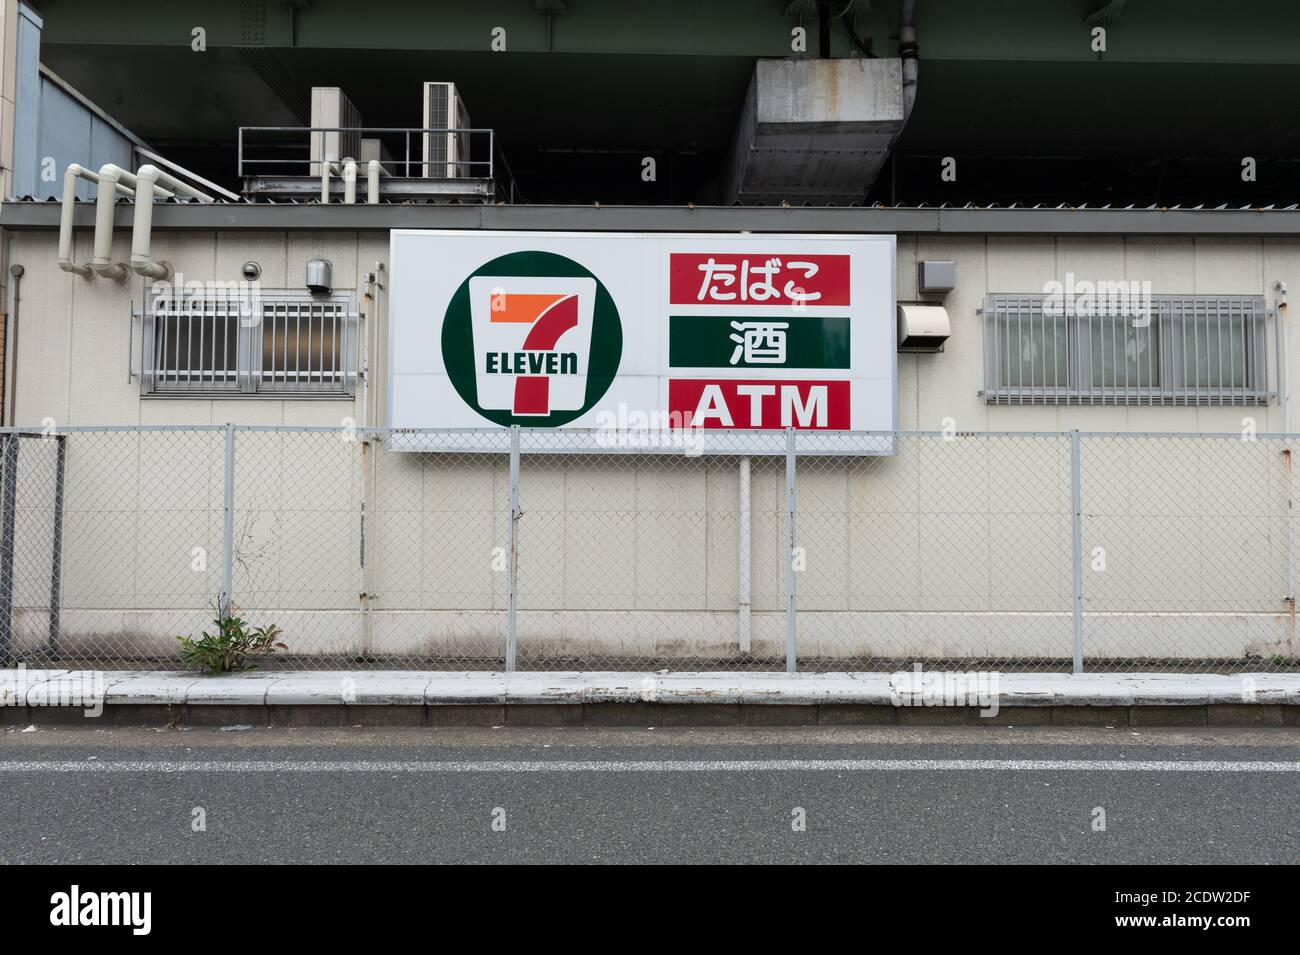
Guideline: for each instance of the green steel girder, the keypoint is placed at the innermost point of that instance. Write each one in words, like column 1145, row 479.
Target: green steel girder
column 1193, row 79
column 1156, row 31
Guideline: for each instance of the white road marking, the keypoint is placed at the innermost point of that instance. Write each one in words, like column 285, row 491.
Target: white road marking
column 647, row 766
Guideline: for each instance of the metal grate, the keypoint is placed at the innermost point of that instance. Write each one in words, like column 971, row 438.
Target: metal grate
column 306, row 344
column 436, row 145
column 1186, row 350
column 240, row 341
column 192, row 341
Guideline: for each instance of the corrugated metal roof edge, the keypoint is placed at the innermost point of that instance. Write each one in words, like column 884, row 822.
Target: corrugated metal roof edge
column 1041, row 220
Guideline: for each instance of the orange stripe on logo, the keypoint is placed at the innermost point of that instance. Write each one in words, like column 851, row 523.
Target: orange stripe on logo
column 520, row 306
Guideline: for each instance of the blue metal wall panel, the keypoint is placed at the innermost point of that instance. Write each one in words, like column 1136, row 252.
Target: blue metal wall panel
column 53, row 128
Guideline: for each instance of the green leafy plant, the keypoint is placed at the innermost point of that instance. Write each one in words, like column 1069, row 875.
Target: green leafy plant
column 230, row 647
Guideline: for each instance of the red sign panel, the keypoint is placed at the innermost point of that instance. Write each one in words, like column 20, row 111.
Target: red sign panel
column 758, row 403
column 757, row 279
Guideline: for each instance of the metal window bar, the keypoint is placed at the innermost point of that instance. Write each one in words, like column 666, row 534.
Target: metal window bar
column 189, row 342
column 308, row 344
column 231, row 341
column 1193, row 350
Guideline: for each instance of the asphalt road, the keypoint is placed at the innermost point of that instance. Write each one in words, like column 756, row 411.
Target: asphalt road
column 715, row 796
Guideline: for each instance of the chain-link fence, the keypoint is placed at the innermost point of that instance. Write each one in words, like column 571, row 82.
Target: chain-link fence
column 562, row 550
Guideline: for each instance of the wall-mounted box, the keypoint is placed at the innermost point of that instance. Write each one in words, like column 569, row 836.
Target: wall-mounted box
column 936, row 278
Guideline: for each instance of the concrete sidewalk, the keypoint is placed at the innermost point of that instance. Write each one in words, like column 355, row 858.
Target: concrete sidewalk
column 478, row 698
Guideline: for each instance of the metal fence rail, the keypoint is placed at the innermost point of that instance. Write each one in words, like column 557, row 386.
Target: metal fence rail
column 505, row 548
column 411, row 158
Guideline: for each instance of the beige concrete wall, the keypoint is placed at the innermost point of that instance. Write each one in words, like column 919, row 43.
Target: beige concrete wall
column 73, row 350
column 952, row 548
column 73, row 354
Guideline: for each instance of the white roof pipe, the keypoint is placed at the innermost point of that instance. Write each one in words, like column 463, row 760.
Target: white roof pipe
column 111, row 179
column 70, row 177
column 146, row 187
column 141, row 263
column 350, row 182
column 326, row 168
column 373, row 171
column 74, row 172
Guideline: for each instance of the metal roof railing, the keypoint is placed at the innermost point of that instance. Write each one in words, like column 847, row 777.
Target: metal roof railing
column 411, row 153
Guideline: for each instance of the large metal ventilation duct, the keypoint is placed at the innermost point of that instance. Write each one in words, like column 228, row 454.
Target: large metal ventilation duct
column 815, row 130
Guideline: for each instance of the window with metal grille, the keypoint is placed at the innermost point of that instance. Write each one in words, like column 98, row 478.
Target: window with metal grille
column 238, row 341
column 1180, row 350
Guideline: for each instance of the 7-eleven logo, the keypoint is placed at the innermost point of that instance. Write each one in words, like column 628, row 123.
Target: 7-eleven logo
column 532, row 342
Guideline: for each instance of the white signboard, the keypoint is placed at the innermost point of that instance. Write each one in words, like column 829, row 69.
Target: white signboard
column 708, row 342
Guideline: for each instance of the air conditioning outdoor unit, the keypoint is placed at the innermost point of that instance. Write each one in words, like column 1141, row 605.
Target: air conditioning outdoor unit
column 446, row 154
column 331, row 109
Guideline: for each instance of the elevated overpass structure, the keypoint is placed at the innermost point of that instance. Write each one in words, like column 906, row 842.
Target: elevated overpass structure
column 1018, row 93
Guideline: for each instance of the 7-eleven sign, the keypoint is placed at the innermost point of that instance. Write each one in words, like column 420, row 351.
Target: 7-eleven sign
column 532, row 342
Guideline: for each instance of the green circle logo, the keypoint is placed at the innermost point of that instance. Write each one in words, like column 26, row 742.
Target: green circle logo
column 531, row 338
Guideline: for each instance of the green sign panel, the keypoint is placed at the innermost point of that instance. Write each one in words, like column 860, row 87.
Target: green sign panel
column 731, row 341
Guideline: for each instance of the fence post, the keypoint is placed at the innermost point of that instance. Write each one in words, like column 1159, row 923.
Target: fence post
column 56, row 552
column 228, row 526
column 363, row 466
column 1076, row 493
column 791, row 658
column 512, row 637
column 8, row 521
